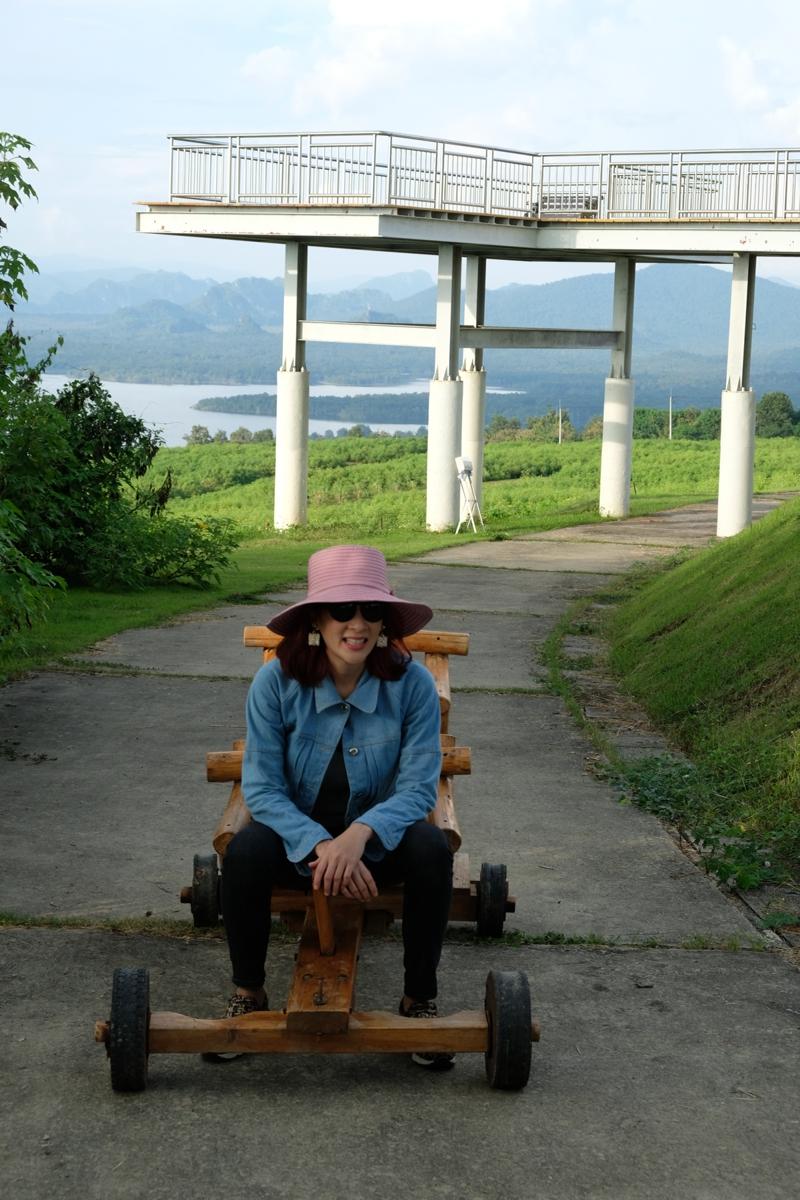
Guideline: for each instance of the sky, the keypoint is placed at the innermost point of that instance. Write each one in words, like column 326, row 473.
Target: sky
column 98, row 85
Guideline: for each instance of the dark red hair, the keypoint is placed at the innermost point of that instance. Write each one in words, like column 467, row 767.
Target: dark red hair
column 309, row 664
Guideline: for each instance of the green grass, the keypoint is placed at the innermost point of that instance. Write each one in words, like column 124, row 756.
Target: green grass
column 373, row 490
column 710, row 648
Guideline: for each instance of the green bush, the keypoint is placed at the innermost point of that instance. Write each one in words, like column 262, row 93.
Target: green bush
column 132, row 549
column 24, row 585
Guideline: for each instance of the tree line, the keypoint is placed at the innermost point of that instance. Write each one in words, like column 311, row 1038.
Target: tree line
column 776, row 417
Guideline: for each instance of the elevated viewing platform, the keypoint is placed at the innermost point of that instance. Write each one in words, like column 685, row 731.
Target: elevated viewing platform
column 396, row 191
column 468, row 204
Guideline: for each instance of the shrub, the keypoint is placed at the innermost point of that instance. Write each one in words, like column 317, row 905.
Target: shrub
column 24, row 585
column 132, row 549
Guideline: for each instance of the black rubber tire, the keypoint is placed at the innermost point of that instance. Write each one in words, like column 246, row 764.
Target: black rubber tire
column 128, row 1029
column 205, row 891
column 492, row 896
column 508, row 1012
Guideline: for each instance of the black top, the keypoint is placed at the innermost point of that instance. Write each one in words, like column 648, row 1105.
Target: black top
column 334, row 792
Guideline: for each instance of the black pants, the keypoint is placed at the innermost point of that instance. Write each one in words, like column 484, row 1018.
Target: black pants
column 256, row 861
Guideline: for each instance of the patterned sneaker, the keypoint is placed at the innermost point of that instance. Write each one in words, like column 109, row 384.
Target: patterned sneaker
column 440, row 1060
column 238, row 1006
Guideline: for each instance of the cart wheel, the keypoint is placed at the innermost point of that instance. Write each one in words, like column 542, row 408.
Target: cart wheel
column 128, row 1028
column 508, row 1012
column 205, row 891
column 492, row 896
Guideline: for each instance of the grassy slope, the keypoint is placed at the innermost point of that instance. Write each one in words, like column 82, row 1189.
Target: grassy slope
column 711, row 649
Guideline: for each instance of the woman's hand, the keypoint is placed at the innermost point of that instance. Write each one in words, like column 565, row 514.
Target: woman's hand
column 338, row 869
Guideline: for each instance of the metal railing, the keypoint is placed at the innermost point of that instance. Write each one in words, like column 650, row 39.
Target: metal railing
column 401, row 170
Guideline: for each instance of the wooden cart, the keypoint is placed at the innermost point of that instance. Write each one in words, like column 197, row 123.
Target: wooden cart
column 319, row 1016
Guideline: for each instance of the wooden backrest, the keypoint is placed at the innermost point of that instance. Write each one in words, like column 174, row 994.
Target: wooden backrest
column 456, row 760
column 435, row 645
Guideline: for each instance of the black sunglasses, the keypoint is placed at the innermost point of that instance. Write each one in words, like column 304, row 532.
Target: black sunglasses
column 371, row 610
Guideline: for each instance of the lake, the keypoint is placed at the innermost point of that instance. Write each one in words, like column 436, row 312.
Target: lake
column 168, row 406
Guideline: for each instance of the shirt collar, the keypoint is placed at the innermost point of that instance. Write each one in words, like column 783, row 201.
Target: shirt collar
column 364, row 698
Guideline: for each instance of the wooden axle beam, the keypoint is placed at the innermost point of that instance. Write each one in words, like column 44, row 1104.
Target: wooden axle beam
column 267, row 1033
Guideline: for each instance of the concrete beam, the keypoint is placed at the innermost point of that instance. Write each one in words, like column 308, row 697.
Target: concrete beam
column 291, row 450
column 474, row 310
column 473, row 376
column 740, row 325
column 444, row 403
column 368, row 333
column 489, row 337
column 617, row 449
column 622, row 318
column 495, row 337
column 448, row 313
column 374, row 228
column 738, row 424
column 295, row 294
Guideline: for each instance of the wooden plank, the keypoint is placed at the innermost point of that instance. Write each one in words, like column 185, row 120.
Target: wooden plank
column 323, row 985
column 443, row 816
column 269, row 1033
column 322, row 916
column 225, row 766
column 234, row 818
column 260, row 637
column 463, row 907
column 461, row 871
column 427, row 641
column 437, row 641
column 438, row 665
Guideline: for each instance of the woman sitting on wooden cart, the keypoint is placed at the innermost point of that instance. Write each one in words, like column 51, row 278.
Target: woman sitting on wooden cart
column 341, row 767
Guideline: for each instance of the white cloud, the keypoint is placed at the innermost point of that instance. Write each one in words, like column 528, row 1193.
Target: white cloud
column 785, row 122
column 273, row 66
column 448, row 21
column 741, row 81
column 386, row 58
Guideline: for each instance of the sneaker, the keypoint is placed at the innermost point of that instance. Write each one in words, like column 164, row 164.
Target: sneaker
column 238, row 1006
column 440, row 1060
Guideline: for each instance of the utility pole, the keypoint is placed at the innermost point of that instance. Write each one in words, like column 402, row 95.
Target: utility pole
column 559, row 424
column 670, row 416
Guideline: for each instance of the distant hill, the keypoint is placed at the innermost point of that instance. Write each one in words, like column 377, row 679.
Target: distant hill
column 167, row 327
column 105, row 295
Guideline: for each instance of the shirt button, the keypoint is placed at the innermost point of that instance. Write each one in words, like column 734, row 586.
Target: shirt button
column 345, row 708
column 353, row 750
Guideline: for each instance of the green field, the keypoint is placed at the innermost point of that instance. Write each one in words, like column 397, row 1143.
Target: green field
column 374, row 489
column 366, row 487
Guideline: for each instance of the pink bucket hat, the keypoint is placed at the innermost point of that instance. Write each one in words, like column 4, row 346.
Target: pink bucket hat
column 341, row 573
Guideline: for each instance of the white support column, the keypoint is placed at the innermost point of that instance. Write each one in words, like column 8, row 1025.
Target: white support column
column 291, row 419
column 444, row 405
column 473, row 375
column 738, row 424
column 616, row 454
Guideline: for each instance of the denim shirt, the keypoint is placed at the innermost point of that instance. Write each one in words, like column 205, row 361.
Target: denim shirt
column 392, row 755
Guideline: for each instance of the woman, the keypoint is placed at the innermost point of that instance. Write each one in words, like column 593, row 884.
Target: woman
column 341, row 767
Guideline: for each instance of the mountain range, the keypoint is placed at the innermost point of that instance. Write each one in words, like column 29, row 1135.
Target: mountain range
column 166, row 327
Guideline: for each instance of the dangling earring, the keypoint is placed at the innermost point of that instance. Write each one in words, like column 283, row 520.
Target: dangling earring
column 383, row 640
column 313, row 636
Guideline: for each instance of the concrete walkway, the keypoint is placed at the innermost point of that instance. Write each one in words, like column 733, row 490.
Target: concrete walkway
column 668, row 1066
